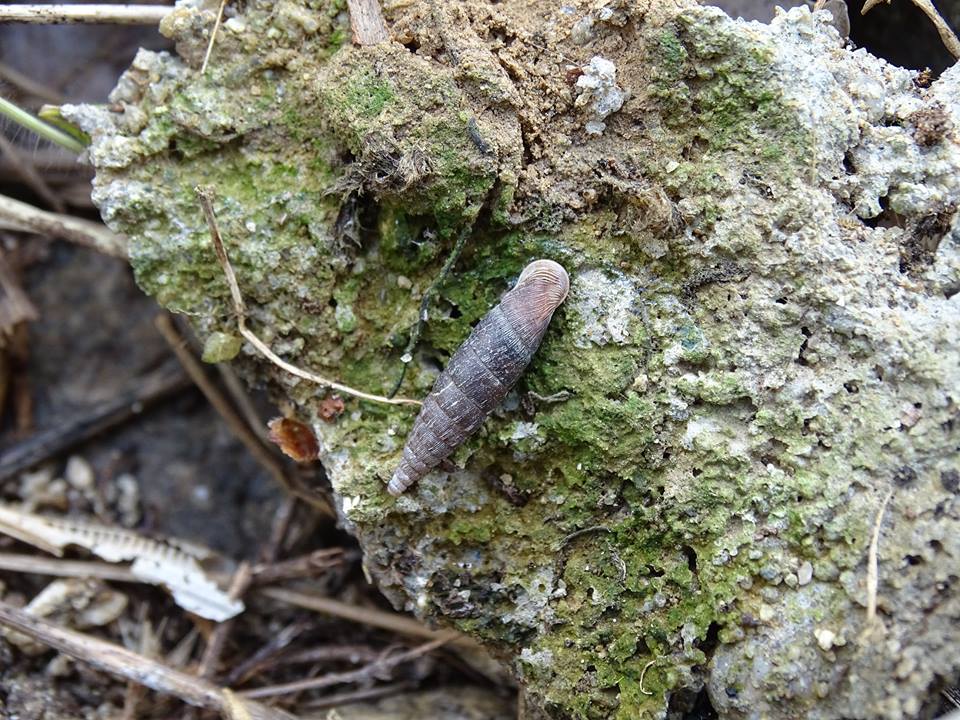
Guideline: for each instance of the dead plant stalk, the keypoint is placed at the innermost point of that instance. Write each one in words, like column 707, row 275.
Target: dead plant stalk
column 239, row 308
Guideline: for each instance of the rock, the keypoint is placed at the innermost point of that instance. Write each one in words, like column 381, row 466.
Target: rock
column 765, row 268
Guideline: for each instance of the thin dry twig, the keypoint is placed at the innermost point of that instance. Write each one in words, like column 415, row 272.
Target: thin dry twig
column 28, row 173
column 239, row 308
column 149, row 646
column 338, row 699
column 302, row 567
column 366, row 672
column 211, row 392
column 213, row 37
column 21, row 563
column 218, row 638
column 265, row 655
column 355, row 654
column 367, row 23
column 30, row 86
column 78, row 13
column 873, row 573
column 278, row 529
column 15, row 305
column 949, row 38
column 123, row 663
column 83, row 232
column 355, row 613
column 141, row 393
column 643, row 674
column 243, row 403
column 424, row 308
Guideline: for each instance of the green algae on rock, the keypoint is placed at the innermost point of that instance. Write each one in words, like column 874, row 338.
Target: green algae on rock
column 679, row 495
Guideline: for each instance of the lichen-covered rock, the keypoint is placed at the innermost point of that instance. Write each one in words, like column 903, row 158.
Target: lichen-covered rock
column 762, row 337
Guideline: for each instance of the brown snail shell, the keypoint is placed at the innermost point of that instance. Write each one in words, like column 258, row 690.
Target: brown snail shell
column 482, row 371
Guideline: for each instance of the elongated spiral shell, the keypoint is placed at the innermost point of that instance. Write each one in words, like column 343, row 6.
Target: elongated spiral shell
column 482, row 371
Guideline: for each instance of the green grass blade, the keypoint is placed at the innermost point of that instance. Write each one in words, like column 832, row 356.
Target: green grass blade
column 35, row 125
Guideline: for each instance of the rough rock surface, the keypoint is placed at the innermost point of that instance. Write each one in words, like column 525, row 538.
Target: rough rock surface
column 762, row 338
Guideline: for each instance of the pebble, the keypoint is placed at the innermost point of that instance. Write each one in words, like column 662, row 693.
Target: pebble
column 79, row 474
column 825, row 638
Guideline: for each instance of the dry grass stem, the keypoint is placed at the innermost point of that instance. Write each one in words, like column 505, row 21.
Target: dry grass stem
column 266, row 655
column 126, row 664
column 270, row 462
column 365, row 616
column 367, row 672
column 643, row 674
column 338, row 699
column 302, row 567
column 15, row 305
column 873, row 573
column 213, row 36
column 24, row 167
column 16, row 562
column 30, row 86
column 239, row 308
column 367, row 23
column 140, row 393
column 278, row 529
column 241, row 399
column 949, row 38
column 218, row 638
column 79, row 13
column 83, row 232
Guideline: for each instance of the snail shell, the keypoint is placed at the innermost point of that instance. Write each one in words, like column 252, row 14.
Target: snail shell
column 482, row 371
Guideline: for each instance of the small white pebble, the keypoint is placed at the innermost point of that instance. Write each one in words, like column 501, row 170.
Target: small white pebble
column 825, row 638
column 403, row 282
column 805, row 573
column 201, row 494
column 235, row 25
column 79, row 473
column 128, row 499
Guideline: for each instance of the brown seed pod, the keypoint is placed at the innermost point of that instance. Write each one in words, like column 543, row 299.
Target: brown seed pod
column 482, row 371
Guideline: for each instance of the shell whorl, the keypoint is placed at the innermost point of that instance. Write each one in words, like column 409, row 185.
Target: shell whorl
column 550, row 277
column 482, row 370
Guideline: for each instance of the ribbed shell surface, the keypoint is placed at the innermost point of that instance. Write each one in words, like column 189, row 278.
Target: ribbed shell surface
column 482, row 371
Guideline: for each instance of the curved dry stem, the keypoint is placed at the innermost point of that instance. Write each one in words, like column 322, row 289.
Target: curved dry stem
column 27, row 218
column 929, row 9
column 873, row 572
column 239, row 307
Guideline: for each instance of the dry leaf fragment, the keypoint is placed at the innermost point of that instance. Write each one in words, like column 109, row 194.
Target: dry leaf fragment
column 172, row 564
column 73, row 602
column 295, row 439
